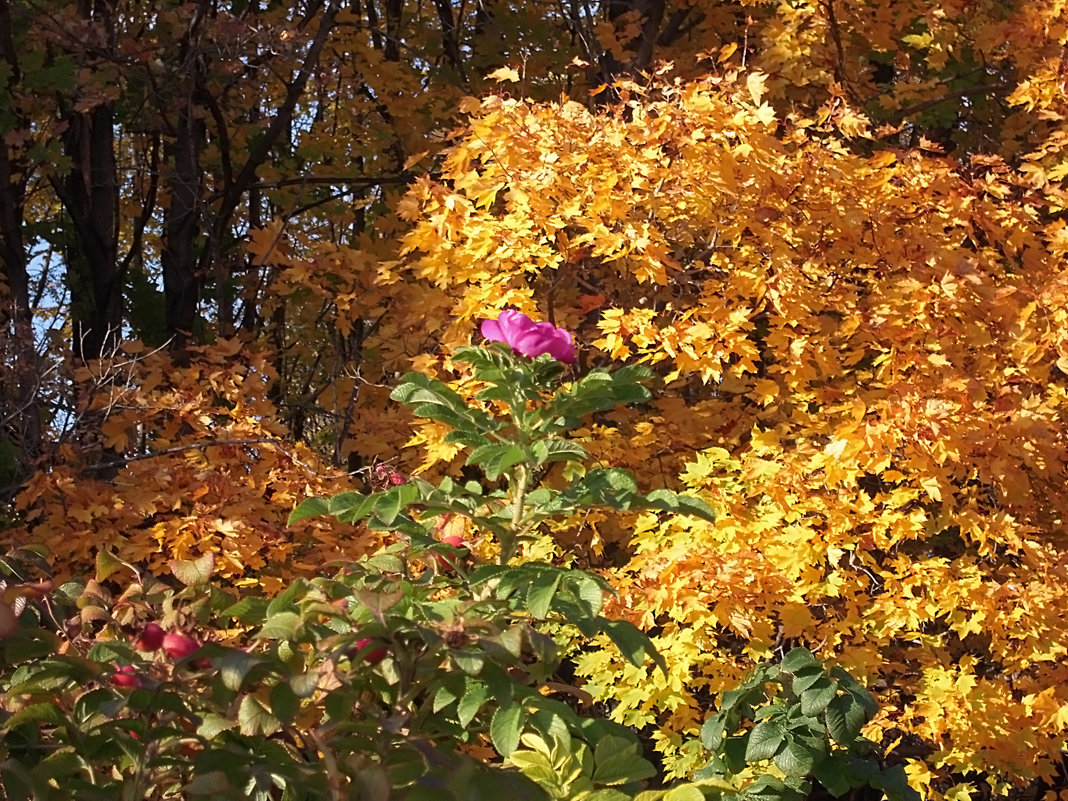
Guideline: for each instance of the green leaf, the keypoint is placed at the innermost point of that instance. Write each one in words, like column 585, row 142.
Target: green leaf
column 312, row 507
column 555, row 449
column 214, row 783
column 612, row 487
column 764, row 740
column 46, row 713
column 540, row 593
column 235, row 665
column 475, row 695
column 684, row 792
column 668, row 501
column 304, row 684
column 895, row 784
column 388, row 504
column 196, row 572
column 712, row 732
column 378, row 603
column 281, row 626
column 795, row 759
column 798, row 659
column 496, row 458
column 833, row 774
column 587, row 591
column 769, row 788
column 845, row 718
column 815, row 699
column 606, row 794
column 248, row 610
column 255, row 718
column 505, row 728
column 286, row 601
column 214, row 724
column 619, row 761
column 350, row 507
column 284, row 703
column 107, row 564
column 805, row 678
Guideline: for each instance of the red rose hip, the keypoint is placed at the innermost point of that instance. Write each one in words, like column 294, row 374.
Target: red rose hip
column 375, row 655
column 179, row 646
column 151, row 638
column 126, row 676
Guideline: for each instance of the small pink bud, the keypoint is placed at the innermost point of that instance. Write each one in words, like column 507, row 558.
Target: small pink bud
column 179, row 646
column 151, row 638
column 126, row 676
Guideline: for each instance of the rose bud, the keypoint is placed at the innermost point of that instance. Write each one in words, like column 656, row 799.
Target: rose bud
column 126, row 676
column 151, row 638
column 374, row 656
column 179, row 646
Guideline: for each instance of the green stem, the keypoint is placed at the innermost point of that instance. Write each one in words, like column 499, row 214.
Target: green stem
column 508, row 547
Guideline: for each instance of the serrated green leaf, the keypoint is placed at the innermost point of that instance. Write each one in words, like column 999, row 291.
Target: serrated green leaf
column 234, row 666
column 815, row 699
column 247, row 610
column 764, row 740
column 894, row 782
column 668, row 501
column 866, row 700
column 312, row 507
column 805, row 678
column 46, row 713
column 254, row 718
column 350, row 507
column 619, row 761
column 213, row 724
column 505, row 728
column 540, row 593
column 281, row 626
column 443, row 697
column 555, row 449
column 214, row 783
column 795, row 759
column 475, row 695
column 632, row 642
column 388, row 504
column 845, row 718
column 799, row 659
column 712, row 732
column 304, row 684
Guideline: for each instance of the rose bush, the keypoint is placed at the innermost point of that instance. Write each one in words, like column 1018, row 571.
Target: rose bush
column 529, row 338
column 386, row 680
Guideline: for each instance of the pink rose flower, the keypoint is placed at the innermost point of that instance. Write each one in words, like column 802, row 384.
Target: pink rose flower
column 529, row 338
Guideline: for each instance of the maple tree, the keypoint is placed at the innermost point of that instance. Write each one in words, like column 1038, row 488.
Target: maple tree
column 834, row 228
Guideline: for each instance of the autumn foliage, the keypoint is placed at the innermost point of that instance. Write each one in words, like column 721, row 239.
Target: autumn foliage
column 834, row 229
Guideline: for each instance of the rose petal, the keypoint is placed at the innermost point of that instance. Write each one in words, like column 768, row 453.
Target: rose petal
column 491, row 330
column 513, row 325
column 560, row 347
